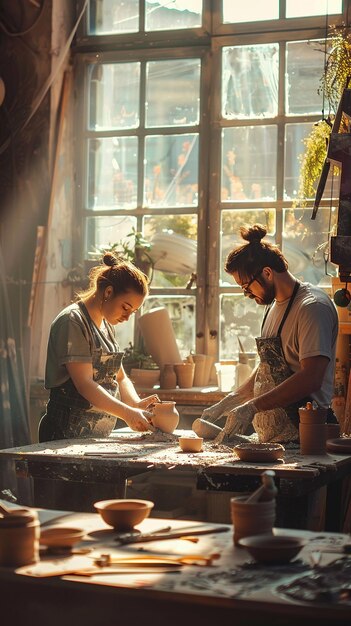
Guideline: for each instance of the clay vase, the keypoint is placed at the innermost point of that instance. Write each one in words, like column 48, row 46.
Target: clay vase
column 312, row 438
column 165, row 416
column 19, row 538
column 168, row 378
column 251, row 518
column 199, row 372
column 185, row 374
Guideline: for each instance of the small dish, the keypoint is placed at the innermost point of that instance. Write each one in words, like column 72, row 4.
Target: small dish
column 259, row 452
column 123, row 514
column 342, row 445
column 272, row 549
column 191, row 444
column 60, row 537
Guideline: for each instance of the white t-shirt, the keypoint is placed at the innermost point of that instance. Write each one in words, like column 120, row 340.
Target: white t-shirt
column 311, row 329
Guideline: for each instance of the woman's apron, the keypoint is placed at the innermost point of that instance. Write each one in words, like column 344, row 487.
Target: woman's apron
column 69, row 415
column 280, row 424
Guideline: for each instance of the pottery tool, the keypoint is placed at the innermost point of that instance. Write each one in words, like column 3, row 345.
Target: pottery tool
column 151, row 560
column 267, row 491
column 174, row 534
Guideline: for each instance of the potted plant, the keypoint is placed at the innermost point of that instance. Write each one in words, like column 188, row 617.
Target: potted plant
column 140, row 367
column 134, row 248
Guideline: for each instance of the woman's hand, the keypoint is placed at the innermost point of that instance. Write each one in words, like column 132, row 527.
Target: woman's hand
column 145, row 403
column 138, row 420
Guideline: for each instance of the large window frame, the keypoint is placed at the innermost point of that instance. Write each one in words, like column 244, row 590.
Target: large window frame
column 207, row 43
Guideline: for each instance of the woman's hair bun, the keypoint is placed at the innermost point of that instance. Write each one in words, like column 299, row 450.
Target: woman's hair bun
column 109, row 259
column 254, row 234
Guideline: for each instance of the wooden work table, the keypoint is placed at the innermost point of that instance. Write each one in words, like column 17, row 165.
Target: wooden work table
column 233, row 589
column 110, row 462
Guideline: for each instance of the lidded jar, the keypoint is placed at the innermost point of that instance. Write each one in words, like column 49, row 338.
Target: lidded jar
column 19, row 538
column 165, row 416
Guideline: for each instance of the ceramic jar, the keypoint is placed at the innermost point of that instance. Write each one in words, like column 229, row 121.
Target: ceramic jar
column 168, row 379
column 19, row 538
column 312, row 438
column 165, row 416
column 312, row 429
column 251, row 518
column 199, row 373
column 185, row 374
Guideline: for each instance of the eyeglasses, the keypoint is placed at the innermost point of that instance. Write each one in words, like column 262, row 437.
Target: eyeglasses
column 246, row 289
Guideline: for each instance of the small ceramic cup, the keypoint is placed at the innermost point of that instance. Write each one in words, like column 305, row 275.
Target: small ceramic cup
column 191, row 444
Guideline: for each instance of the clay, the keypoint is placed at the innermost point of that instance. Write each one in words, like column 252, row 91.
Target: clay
column 165, row 416
column 191, row 444
column 205, row 429
column 123, row 514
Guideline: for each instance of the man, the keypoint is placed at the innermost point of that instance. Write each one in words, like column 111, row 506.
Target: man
column 296, row 349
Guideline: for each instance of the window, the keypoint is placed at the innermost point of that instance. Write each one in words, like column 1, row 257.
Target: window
column 192, row 123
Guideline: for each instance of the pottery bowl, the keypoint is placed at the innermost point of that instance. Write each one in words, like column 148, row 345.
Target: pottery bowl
column 123, row 514
column 272, row 549
column 144, row 378
column 191, row 444
column 60, row 537
column 259, row 452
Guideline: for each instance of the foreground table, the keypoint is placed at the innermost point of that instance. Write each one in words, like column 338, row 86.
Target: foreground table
column 110, row 462
column 232, row 588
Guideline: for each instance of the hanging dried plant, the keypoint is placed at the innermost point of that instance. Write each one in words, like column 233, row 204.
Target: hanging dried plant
column 336, row 76
column 337, row 70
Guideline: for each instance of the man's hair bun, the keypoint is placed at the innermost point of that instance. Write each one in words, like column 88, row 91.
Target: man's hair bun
column 254, row 234
column 110, row 259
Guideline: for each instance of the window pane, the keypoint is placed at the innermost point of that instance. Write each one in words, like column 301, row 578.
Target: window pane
column 301, row 8
column 305, row 64
column 173, row 248
column 171, row 170
column 113, row 166
column 173, row 92
column 114, row 96
column 250, row 81
column 103, row 232
column 181, row 310
column 239, row 317
column 305, row 242
column 113, row 16
column 294, row 150
column 253, row 11
column 230, row 233
column 249, row 161
column 172, row 14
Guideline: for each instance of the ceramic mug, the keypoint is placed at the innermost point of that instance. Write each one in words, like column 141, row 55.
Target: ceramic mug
column 251, row 518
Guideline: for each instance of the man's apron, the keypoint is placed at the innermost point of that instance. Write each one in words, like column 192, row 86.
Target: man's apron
column 280, row 424
column 68, row 414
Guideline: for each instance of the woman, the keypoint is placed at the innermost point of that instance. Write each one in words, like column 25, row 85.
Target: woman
column 88, row 386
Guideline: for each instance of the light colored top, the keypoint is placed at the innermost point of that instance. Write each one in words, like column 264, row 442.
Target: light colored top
column 311, row 329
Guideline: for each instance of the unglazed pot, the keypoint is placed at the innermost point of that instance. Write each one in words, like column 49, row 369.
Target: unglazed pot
column 312, row 438
column 251, row 518
column 19, row 538
column 191, row 444
column 165, row 416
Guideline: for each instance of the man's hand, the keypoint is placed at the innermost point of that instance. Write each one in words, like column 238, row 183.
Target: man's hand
column 238, row 421
column 213, row 413
column 139, row 420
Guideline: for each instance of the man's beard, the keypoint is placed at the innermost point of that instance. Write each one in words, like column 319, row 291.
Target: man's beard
column 268, row 295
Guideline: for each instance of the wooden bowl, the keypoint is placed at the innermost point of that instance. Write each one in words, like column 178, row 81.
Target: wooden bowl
column 342, row 445
column 272, row 549
column 123, row 514
column 259, row 452
column 60, row 537
column 191, row 444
